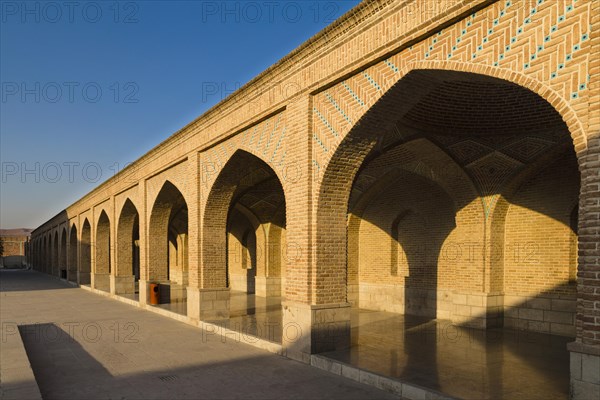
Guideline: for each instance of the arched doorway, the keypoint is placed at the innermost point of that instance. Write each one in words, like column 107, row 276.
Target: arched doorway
column 55, row 250
column 62, row 268
column 102, row 270
column 127, row 274
column 445, row 197
column 168, row 231
column 73, row 251
column 85, row 261
column 244, row 229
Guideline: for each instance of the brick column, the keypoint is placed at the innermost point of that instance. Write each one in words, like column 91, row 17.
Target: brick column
column 585, row 351
column 310, row 323
column 122, row 280
column 143, row 215
column 202, row 303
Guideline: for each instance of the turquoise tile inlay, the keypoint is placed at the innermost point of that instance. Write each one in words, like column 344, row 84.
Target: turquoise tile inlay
column 282, row 158
column 252, row 136
column 391, row 65
column 326, row 123
column 337, row 107
column 490, row 31
column 272, row 134
column 547, row 38
column 278, row 144
column 316, row 164
column 354, row 95
column 261, row 133
column 372, row 81
column 325, row 149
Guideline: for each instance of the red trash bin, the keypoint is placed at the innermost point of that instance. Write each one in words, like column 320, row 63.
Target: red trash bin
column 154, row 294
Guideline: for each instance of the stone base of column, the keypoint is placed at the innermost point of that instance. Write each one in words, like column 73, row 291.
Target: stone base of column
column 122, row 284
column 585, row 371
column 310, row 329
column 210, row 304
column 101, row 282
column 72, row 276
column 475, row 310
column 83, row 278
column 144, row 292
column 268, row 286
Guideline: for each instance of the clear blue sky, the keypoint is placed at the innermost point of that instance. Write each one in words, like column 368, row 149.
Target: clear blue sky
column 89, row 86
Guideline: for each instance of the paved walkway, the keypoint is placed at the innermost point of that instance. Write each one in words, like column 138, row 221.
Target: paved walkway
column 82, row 345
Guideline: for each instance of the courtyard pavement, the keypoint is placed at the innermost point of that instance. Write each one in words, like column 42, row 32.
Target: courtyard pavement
column 85, row 346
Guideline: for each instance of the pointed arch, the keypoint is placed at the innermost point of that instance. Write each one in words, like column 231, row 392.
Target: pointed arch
column 85, row 258
column 248, row 180
column 73, row 259
column 167, row 241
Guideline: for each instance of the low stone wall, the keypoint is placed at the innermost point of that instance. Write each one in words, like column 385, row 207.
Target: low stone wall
column 545, row 313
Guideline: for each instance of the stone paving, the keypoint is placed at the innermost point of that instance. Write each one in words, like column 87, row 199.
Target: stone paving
column 82, row 345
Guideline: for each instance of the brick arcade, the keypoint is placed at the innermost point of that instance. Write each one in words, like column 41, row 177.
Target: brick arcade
column 439, row 162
